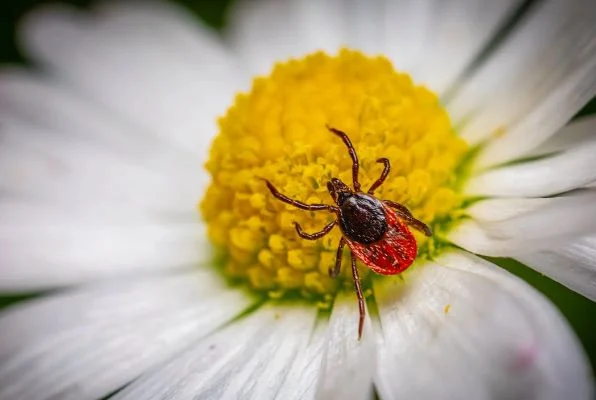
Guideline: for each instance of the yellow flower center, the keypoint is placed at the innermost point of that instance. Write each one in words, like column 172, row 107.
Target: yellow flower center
column 278, row 131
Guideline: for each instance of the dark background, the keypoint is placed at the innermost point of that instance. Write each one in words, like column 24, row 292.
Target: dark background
column 580, row 312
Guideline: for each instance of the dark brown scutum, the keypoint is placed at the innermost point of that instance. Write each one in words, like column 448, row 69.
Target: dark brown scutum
column 362, row 219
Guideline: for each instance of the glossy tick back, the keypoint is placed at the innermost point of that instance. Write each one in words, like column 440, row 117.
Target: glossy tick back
column 376, row 231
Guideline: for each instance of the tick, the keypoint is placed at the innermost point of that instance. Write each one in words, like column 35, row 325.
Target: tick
column 375, row 230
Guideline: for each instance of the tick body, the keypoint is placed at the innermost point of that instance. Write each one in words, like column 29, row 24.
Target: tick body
column 376, row 231
column 362, row 219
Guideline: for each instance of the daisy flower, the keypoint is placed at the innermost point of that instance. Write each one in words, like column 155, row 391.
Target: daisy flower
column 146, row 295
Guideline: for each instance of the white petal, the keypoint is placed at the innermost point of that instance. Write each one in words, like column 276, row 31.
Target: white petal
column 467, row 330
column 28, row 100
column 84, row 195
column 303, row 377
column 42, row 247
column 348, row 363
column 564, row 171
column 453, row 33
column 148, row 62
column 41, row 165
column 560, row 220
column 534, row 83
column 248, row 359
column 573, row 265
column 88, row 343
column 412, row 34
column 406, row 30
column 266, row 31
column 545, row 120
column 493, row 210
column 578, row 133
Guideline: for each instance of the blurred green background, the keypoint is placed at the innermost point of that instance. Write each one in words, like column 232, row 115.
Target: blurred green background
column 580, row 312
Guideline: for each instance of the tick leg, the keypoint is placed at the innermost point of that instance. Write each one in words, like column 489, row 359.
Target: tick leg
column 360, row 296
column 296, row 203
column 352, row 152
column 316, row 235
column 384, row 174
column 340, row 251
column 403, row 212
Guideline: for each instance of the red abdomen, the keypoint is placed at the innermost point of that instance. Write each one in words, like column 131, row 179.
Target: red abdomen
column 394, row 253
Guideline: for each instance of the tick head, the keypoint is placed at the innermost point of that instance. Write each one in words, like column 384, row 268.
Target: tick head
column 339, row 191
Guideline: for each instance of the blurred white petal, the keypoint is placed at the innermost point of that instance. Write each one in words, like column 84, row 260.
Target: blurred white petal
column 493, row 210
column 87, row 343
column 416, row 36
column 560, row 220
column 453, row 33
column 304, row 374
column 152, row 64
column 72, row 211
column 248, row 359
column 573, row 265
column 559, row 173
column 30, row 100
column 406, row 28
column 466, row 329
column 578, row 133
column 86, row 195
column 534, row 83
column 348, row 363
column 43, row 247
column 266, row 31
column 39, row 165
